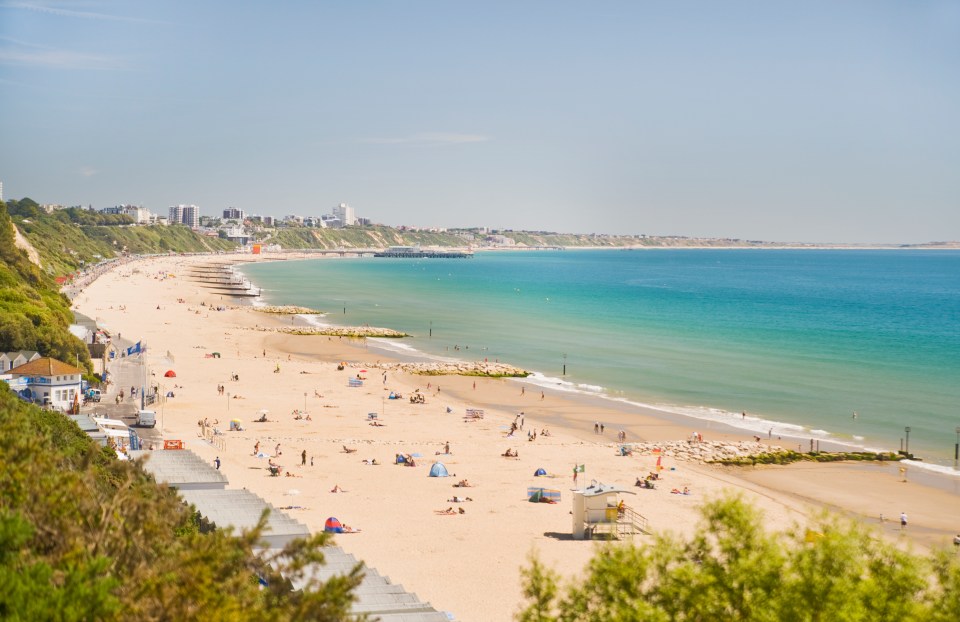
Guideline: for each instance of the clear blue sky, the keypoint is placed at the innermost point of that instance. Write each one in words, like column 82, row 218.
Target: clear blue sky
column 804, row 121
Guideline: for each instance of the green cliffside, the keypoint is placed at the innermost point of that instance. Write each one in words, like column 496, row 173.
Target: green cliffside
column 71, row 238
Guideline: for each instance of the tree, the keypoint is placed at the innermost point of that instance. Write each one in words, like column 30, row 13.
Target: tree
column 733, row 569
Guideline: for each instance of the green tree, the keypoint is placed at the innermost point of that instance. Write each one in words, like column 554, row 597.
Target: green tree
column 734, row 569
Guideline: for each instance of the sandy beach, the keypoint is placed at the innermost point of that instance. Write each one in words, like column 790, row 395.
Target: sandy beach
column 468, row 564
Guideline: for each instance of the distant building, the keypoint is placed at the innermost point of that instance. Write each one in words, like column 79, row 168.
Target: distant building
column 232, row 213
column 9, row 360
column 185, row 215
column 346, row 214
column 138, row 213
column 330, row 221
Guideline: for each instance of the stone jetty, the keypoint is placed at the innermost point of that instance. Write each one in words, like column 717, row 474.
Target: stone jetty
column 705, row 451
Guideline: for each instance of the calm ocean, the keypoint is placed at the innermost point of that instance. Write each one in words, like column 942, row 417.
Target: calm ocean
column 799, row 339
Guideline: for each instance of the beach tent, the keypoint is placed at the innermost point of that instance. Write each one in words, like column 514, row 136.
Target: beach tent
column 333, row 526
column 540, row 472
column 170, row 374
column 542, row 495
column 438, row 470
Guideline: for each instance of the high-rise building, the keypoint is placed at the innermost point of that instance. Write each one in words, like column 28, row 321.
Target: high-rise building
column 345, row 214
column 232, row 213
column 185, row 214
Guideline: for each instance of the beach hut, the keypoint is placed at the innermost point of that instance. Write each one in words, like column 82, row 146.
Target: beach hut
column 333, row 526
column 170, row 374
column 541, row 472
column 438, row 470
column 597, row 509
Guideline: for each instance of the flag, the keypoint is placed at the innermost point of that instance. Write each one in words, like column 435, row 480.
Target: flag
column 134, row 349
column 581, row 469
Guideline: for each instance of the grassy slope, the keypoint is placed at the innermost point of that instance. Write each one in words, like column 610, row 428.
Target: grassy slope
column 65, row 246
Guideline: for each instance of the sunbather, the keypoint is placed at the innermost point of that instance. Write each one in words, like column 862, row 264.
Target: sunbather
column 449, row 510
column 462, row 484
column 336, row 488
column 348, row 450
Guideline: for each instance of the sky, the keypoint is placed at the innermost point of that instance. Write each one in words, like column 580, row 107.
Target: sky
column 814, row 121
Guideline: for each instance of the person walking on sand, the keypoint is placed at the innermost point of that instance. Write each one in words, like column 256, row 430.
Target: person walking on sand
column 216, row 461
column 256, row 448
column 523, row 390
column 903, row 521
column 303, row 458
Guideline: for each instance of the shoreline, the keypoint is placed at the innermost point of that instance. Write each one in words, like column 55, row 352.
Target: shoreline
column 797, row 436
column 477, row 553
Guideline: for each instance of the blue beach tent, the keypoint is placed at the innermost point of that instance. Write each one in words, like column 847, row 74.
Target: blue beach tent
column 438, row 470
column 541, row 471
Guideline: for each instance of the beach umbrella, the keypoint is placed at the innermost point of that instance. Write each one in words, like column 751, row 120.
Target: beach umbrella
column 333, row 526
column 170, row 374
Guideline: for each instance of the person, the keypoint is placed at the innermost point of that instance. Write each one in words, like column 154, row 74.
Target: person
column 336, row 488
column 449, row 510
column 601, row 428
column 216, row 461
column 462, row 484
column 303, row 458
column 446, row 447
column 903, row 521
column 276, row 451
column 256, row 448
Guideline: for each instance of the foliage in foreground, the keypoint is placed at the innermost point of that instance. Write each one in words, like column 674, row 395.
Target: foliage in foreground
column 84, row 536
column 733, row 569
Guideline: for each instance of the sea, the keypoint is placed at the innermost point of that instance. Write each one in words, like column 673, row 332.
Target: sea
column 854, row 347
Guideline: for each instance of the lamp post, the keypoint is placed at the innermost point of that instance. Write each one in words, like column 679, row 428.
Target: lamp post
column 564, row 363
column 907, row 449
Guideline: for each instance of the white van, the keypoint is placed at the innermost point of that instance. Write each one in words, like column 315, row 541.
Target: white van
column 147, row 419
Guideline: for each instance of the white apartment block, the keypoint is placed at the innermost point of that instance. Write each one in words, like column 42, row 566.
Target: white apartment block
column 346, row 214
column 186, row 215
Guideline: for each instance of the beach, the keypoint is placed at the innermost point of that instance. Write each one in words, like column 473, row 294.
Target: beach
column 465, row 563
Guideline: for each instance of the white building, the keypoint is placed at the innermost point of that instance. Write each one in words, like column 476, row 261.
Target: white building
column 9, row 360
column 186, row 215
column 47, row 381
column 346, row 214
column 139, row 214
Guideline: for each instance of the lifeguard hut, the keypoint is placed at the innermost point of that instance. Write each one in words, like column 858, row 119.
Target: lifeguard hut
column 598, row 509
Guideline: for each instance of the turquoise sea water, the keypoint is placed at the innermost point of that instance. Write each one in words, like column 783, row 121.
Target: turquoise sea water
column 797, row 339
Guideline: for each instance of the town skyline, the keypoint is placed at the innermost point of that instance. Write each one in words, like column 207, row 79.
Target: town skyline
column 821, row 123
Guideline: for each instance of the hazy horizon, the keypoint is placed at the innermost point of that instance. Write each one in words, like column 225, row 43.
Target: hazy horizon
column 821, row 122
